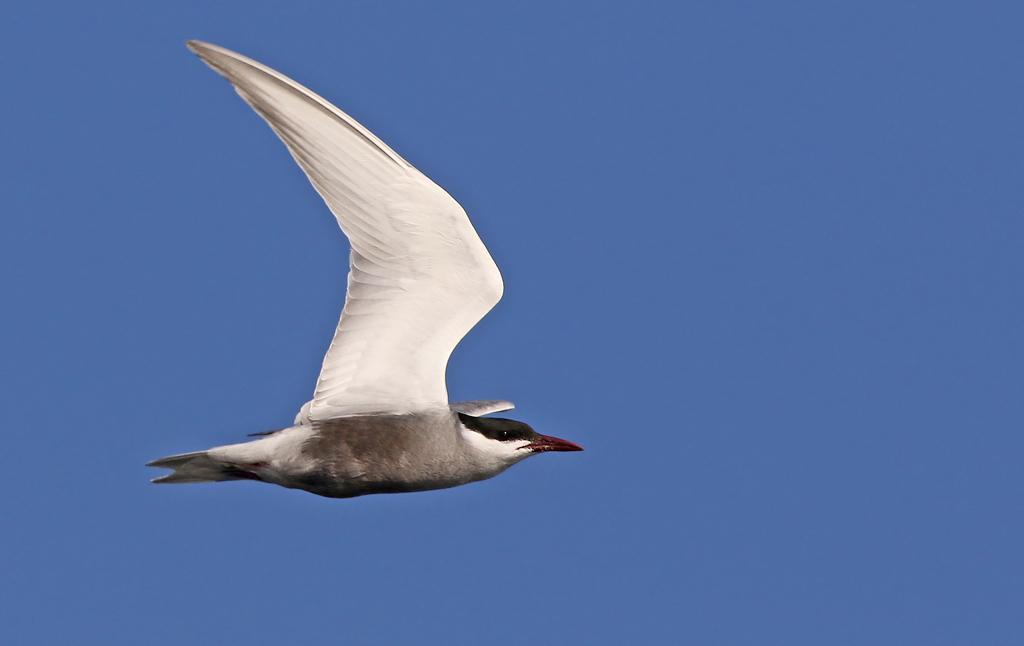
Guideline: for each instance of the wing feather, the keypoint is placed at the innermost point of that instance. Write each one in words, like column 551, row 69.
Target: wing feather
column 419, row 276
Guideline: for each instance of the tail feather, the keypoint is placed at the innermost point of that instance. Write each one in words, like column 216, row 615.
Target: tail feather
column 198, row 467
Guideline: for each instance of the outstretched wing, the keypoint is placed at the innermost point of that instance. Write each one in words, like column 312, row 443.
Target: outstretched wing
column 419, row 276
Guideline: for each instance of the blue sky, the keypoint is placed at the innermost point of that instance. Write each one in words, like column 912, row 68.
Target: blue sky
column 763, row 260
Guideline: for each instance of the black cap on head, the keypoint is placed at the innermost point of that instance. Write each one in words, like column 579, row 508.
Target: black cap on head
column 499, row 428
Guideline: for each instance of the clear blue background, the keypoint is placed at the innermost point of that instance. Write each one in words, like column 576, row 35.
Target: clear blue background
column 764, row 260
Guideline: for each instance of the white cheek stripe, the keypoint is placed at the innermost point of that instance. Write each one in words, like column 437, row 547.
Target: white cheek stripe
column 494, row 449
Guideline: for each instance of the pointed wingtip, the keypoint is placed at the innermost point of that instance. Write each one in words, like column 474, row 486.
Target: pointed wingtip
column 209, row 53
column 199, row 46
column 195, row 46
column 205, row 51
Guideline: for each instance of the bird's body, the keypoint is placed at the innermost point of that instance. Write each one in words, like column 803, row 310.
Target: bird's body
column 360, row 454
column 351, row 456
column 419, row 279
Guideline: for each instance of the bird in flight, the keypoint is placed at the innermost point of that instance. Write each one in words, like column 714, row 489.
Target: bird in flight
column 419, row 279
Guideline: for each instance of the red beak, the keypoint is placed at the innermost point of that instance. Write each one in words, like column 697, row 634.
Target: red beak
column 549, row 443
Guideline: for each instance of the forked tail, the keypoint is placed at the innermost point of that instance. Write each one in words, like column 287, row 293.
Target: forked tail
column 198, row 467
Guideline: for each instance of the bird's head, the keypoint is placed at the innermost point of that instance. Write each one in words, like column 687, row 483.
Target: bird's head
column 503, row 442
